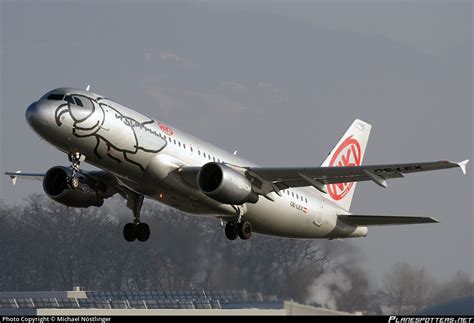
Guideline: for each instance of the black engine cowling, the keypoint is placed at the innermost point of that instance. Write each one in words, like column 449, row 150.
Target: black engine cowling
column 56, row 187
column 225, row 185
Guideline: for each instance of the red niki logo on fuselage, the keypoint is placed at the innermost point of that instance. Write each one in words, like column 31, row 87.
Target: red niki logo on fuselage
column 347, row 154
column 166, row 129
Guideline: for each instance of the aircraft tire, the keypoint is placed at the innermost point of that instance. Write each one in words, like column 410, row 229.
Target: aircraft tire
column 231, row 231
column 129, row 232
column 142, row 232
column 245, row 230
column 75, row 182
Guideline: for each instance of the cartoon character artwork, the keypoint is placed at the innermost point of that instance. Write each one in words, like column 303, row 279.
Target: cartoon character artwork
column 91, row 118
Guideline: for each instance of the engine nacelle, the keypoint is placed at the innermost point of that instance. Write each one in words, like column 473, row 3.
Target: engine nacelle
column 225, row 185
column 56, row 187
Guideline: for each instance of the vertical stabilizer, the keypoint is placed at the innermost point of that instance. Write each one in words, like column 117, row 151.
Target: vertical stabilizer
column 349, row 151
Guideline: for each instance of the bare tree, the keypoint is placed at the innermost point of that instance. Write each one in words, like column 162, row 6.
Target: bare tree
column 460, row 284
column 46, row 246
column 407, row 288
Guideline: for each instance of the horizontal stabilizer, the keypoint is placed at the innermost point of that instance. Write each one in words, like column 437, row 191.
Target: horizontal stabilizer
column 385, row 219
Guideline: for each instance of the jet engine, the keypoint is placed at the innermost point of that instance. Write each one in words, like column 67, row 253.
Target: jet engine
column 225, row 185
column 56, row 186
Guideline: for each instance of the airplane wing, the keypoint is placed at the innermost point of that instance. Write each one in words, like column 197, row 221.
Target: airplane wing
column 367, row 220
column 110, row 184
column 18, row 174
column 273, row 179
column 108, row 179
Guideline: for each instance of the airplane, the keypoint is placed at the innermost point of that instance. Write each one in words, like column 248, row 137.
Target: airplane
column 140, row 156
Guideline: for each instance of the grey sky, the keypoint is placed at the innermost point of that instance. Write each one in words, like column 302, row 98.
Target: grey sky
column 280, row 82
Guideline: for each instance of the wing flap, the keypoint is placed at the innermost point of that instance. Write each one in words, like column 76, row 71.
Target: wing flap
column 368, row 220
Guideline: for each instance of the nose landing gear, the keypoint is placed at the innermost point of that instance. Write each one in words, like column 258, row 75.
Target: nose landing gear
column 75, row 158
column 131, row 231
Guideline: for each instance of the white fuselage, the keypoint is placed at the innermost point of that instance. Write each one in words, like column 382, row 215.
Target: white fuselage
column 146, row 156
column 298, row 212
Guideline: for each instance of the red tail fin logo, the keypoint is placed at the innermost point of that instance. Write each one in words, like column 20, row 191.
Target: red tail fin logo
column 347, row 154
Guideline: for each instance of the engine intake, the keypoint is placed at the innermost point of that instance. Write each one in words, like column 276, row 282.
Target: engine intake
column 56, row 187
column 225, row 185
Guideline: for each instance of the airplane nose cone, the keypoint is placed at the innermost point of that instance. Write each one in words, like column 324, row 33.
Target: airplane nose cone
column 39, row 115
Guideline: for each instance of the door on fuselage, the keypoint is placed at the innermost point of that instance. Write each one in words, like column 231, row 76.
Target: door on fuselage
column 318, row 217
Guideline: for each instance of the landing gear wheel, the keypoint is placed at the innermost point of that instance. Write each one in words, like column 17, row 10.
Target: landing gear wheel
column 231, row 231
column 136, row 230
column 245, row 230
column 142, row 231
column 74, row 181
column 75, row 158
column 129, row 232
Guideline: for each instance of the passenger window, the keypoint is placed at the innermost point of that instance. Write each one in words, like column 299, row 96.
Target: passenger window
column 306, row 200
column 184, row 145
column 199, row 152
column 169, row 138
column 179, row 143
column 191, row 149
column 204, row 154
column 214, row 158
column 292, row 194
column 174, row 141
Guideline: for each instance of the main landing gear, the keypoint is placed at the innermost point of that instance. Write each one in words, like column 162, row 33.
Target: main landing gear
column 233, row 230
column 136, row 230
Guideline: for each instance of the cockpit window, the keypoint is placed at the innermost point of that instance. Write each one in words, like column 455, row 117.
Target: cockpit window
column 74, row 100
column 80, row 108
column 57, row 97
column 78, row 102
column 69, row 99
